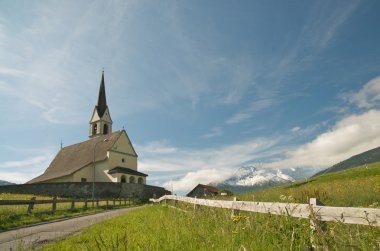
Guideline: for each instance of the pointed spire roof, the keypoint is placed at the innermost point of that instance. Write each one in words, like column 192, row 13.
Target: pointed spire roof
column 102, row 102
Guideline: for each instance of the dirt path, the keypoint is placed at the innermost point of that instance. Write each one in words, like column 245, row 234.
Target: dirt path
column 40, row 235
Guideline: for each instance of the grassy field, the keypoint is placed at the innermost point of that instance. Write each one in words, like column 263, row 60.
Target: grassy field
column 357, row 187
column 160, row 227
column 15, row 216
column 164, row 228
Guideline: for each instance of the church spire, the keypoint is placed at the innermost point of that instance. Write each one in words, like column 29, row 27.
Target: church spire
column 102, row 101
column 101, row 122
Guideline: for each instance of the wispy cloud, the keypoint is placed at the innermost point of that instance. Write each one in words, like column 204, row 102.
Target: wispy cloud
column 215, row 132
column 255, row 107
column 20, row 171
column 316, row 35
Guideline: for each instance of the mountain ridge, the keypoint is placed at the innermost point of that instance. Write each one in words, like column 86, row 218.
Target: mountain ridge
column 367, row 157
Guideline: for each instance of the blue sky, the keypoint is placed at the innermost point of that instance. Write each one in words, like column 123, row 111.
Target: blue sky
column 201, row 87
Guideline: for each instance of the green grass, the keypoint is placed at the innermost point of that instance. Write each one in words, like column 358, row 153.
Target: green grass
column 159, row 227
column 16, row 216
column 357, row 187
column 162, row 228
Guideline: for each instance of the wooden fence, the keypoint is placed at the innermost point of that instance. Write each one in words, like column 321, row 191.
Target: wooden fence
column 314, row 210
column 55, row 201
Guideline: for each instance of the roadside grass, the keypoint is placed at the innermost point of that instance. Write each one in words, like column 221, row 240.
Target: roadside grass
column 16, row 216
column 357, row 187
column 159, row 227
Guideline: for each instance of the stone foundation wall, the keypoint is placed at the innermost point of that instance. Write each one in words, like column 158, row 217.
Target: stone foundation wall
column 84, row 190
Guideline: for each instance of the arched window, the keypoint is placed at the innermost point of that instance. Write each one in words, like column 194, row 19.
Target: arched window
column 105, row 129
column 132, row 179
column 140, row 180
column 122, row 179
column 94, row 129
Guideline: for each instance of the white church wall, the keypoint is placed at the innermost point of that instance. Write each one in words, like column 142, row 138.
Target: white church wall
column 87, row 172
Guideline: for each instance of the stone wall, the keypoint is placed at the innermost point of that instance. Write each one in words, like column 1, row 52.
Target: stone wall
column 84, row 190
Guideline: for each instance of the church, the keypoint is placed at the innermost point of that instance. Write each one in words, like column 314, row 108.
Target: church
column 106, row 157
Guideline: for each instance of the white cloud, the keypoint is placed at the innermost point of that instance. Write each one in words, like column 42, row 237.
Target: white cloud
column 157, row 147
column 368, row 96
column 24, row 170
column 191, row 179
column 30, row 162
column 349, row 136
column 204, row 165
column 16, row 177
column 295, row 129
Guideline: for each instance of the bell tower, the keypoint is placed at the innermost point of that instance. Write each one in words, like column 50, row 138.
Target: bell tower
column 101, row 122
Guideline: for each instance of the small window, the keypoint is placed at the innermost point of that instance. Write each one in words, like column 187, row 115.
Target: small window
column 105, row 129
column 83, row 180
column 132, row 179
column 123, row 179
column 123, row 160
column 94, row 129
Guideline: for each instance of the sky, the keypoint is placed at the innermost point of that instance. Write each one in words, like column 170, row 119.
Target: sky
column 201, row 87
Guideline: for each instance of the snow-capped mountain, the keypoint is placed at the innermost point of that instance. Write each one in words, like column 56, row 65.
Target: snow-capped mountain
column 251, row 178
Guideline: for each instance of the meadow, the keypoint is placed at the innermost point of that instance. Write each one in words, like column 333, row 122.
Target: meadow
column 161, row 227
column 356, row 187
column 164, row 228
column 16, row 215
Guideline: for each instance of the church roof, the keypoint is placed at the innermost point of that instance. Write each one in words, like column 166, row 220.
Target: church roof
column 126, row 170
column 72, row 158
column 102, row 101
column 210, row 188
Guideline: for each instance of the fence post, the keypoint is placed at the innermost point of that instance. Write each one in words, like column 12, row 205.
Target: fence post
column 119, row 201
column 125, row 201
column 233, row 210
column 72, row 205
column 114, row 202
column 97, row 202
column 31, row 205
column 107, row 204
column 316, row 226
column 54, row 206
column 195, row 202
column 85, row 204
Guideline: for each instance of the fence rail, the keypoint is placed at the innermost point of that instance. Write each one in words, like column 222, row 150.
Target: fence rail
column 55, row 201
column 347, row 215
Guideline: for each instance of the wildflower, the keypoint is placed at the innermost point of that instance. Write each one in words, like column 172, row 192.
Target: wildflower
column 282, row 197
column 236, row 218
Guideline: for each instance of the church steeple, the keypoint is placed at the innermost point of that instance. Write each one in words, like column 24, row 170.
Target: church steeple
column 102, row 101
column 101, row 122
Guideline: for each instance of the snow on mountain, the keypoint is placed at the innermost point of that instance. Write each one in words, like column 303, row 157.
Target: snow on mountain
column 250, row 178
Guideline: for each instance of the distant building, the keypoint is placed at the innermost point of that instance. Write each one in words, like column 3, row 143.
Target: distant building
column 106, row 157
column 203, row 191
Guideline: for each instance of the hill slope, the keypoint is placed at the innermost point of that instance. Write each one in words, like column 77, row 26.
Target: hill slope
column 4, row 183
column 354, row 187
column 367, row 157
